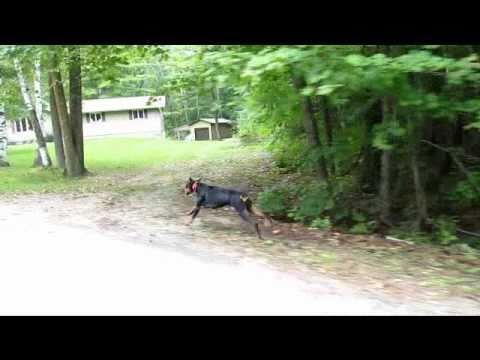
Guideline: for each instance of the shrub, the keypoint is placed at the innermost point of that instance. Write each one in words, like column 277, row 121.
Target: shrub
column 275, row 201
column 445, row 231
column 322, row 223
column 464, row 193
column 360, row 229
column 313, row 201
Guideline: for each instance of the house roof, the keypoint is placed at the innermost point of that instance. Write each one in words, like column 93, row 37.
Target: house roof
column 123, row 103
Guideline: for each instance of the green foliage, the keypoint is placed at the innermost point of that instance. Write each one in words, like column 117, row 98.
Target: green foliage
column 360, row 220
column 305, row 201
column 322, row 223
column 386, row 135
column 445, row 231
column 313, row 201
column 360, row 229
column 275, row 201
column 465, row 193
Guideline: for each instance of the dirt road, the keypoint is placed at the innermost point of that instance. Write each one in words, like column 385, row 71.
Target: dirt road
column 61, row 254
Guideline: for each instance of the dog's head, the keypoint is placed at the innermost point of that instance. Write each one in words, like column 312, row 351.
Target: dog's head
column 191, row 186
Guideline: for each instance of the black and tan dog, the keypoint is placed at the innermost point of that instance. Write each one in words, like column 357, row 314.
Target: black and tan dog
column 215, row 197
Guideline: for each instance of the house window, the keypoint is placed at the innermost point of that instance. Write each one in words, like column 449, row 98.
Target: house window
column 22, row 125
column 95, row 117
column 138, row 114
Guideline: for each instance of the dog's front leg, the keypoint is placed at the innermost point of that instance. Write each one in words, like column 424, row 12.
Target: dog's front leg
column 195, row 212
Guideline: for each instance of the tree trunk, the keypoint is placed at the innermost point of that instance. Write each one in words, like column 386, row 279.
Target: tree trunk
column 57, row 131
column 415, row 134
column 3, row 138
column 310, row 126
column 385, row 171
column 217, row 130
column 328, row 123
column 76, row 116
column 185, row 107
column 198, row 108
column 385, row 188
column 217, row 112
column 37, row 87
column 385, row 163
column 421, row 198
column 73, row 167
column 370, row 165
column 44, row 157
column 162, row 124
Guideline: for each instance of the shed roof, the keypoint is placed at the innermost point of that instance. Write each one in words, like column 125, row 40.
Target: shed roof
column 123, row 103
column 211, row 121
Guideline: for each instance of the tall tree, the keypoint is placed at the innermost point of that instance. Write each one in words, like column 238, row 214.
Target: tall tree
column 328, row 125
column 76, row 116
column 73, row 166
column 57, row 131
column 388, row 111
column 311, row 127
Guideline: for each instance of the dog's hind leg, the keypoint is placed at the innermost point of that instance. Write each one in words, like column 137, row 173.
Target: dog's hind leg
column 192, row 211
column 245, row 216
column 267, row 221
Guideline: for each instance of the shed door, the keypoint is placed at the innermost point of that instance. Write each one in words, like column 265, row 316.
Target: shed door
column 202, row 134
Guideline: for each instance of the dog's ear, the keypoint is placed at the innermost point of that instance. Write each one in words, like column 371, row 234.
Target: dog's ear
column 190, row 179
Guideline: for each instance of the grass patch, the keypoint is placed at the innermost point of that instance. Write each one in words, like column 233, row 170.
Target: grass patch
column 107, row 156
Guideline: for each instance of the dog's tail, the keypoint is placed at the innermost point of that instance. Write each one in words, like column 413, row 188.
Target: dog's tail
column 255, row 211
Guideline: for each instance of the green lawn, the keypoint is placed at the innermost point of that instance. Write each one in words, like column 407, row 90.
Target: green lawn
column 104, row 156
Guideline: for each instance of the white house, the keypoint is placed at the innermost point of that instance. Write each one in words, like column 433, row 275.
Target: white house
column 104, row 117
column 204, row 129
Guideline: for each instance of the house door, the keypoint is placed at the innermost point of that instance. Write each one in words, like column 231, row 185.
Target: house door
column 202, row 134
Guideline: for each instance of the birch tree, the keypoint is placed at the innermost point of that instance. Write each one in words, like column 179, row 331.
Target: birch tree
column 162, row 124
column 217, row 111
column 3, row 137
column 37, row 86
column 42, row 158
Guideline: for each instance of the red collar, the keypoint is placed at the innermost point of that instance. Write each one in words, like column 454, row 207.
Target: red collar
column 195, row 187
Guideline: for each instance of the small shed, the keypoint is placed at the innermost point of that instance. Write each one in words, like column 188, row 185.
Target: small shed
column 204, row 129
